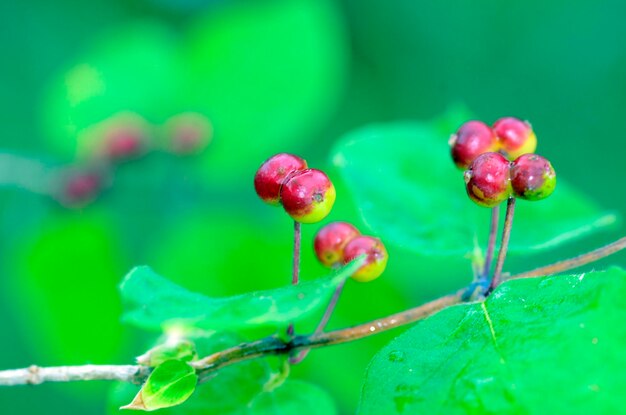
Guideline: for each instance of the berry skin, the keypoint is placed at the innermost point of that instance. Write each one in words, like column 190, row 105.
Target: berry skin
column 516, row 136
column 308, row 195
column 488, row 179
column 272, row 174
column 78, row 188
column 471, row 140
column 331, row 240
column 532, row 177
column 188, row 133
column 375, row 262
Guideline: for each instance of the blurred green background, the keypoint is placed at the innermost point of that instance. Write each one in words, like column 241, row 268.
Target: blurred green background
column 270, row 75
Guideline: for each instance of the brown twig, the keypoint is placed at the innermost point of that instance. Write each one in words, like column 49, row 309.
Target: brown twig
column 35, row 375
column 575, row 262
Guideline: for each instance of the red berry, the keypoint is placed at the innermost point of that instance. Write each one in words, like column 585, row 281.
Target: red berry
column 516, row 136
column 122, row 136
column 488, row 181
column 532, row 177
column 79, row 187
column 331, row 240
column 188, row 133
column 375, row 262
column 471, row 140
column 308, row 195
column 271, row 175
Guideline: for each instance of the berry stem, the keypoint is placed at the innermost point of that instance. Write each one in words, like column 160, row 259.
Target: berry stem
column 295, row 276
column 323, row 322
column 297, row 236
column 504, row 244
column 575, row 262
column 491, row 245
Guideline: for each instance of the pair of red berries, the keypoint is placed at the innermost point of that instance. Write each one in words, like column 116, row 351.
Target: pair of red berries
column 510, row 136
column 338, row 243
column 307, row 195
column 490, row 177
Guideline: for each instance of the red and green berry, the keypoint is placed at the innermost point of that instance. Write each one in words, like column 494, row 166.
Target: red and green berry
column 532, row 177
column 188, row 133
column 471, row 140
column 516, row 137
column 487, row 180
column 308, row 195
column 272, row 174
column 376, row 259
column 330, row 241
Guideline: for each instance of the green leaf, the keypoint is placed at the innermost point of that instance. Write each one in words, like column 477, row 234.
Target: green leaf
column 547, row 345
column 170, row 384
column 153, row 302
column 249, row 387
column 411, row 194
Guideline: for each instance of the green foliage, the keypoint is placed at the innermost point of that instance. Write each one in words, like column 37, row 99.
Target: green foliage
column 412, row 195
column 547, row 345
column 174, row 349
column 155, row 303
column 169, row 384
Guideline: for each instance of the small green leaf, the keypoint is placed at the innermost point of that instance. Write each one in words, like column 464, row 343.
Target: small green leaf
column 411, row 194
column 174, row 348
column 170, row 384
column 546, row 345
column 153, row 302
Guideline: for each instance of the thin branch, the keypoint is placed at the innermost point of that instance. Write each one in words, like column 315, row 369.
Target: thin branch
column 491, row 245
column 575, row 262
column 323, row 322
column 268, row 346
column 504, row 243
column 35, row 375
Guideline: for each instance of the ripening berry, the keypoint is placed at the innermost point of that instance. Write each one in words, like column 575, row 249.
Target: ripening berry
column 331, row 240
column 188, row 133
column 123, row 136
column 80, row 187
column 471, row 140
column 375, row 262
column 271, row 175
column 308, row 195
column 532, row 177
column 488, row 180
column 516, row 137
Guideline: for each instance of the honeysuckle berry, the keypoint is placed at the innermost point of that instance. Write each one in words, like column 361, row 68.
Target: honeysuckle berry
column 308, row 195
column 120, row 137
column 471, row 140
column 376, row 259
column 272, row 174
column 330, row 241
column 532, row 177
column 188, row 133
column 80, row 187
column 488, row 179
column 516, row 137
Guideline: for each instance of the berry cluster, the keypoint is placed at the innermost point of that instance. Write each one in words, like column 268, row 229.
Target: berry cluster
column 307, row 195
column 338, row 243
column 491, row 177
column 509, row 136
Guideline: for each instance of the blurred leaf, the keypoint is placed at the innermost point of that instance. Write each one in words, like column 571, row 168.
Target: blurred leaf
column 560, row 335
column 71, row 263
column 411, row 194
column 170, row 384
column 155, row 303
column 136, row 69
column 268, row 71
